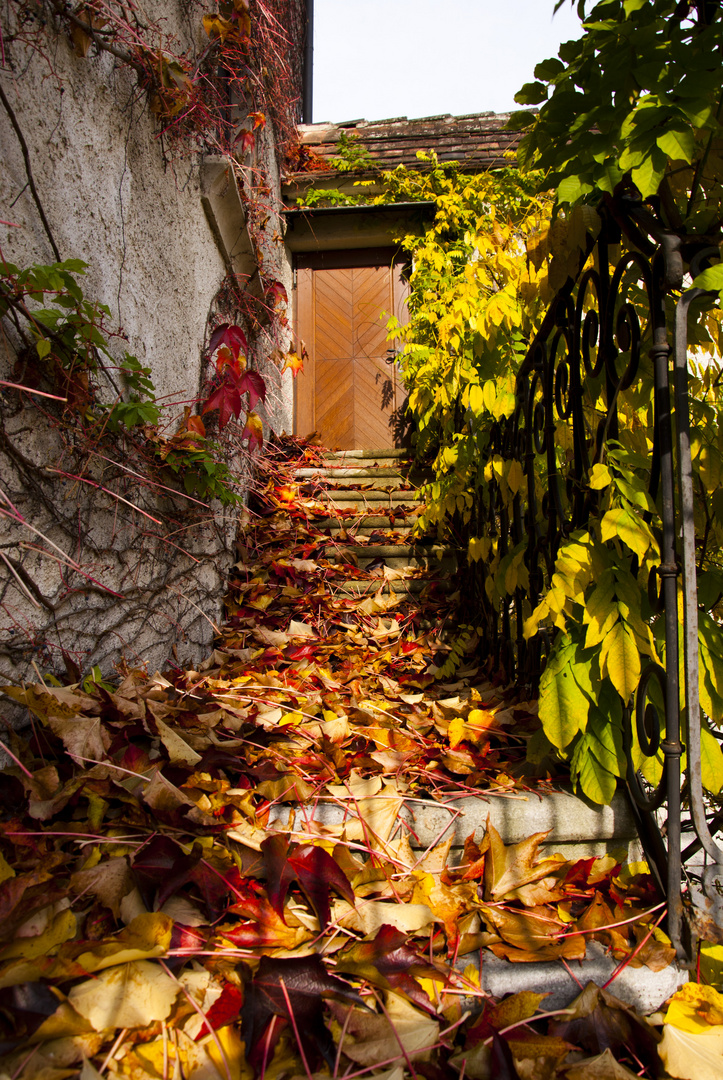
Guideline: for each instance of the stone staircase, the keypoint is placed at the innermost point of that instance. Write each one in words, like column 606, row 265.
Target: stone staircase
column 367, row 502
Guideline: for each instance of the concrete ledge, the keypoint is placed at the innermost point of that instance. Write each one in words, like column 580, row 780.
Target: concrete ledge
column 575, row 825
column 640, row 987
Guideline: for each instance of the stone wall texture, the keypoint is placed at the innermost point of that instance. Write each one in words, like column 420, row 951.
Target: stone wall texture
column 96, row 566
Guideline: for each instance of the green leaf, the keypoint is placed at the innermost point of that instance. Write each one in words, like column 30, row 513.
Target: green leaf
column 548, row 69
column 711, row 279
column 596, row 782
column 648, row 175
column 606, row 741
column 532, row 93
column 633, row 5
column 43, row 347
column 573, row 188
column 678, row 144
column 563, row 706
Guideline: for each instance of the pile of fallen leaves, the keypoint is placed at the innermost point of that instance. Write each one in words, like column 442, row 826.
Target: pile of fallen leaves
column 213, row 873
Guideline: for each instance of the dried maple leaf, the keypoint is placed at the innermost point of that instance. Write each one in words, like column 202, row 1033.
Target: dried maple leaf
column 390, row 962
column 510, row 867
column 296, row 985
column 161, row 868
column 600, row 1022
column 310, row 866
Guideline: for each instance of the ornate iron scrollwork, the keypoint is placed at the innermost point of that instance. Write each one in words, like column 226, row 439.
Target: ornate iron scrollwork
column 593, row 341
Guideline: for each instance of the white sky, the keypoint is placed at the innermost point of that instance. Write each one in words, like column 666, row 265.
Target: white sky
column 376, row 59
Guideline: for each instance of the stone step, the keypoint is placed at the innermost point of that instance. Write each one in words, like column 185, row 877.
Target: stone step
column 365, row 522
column 347, row 473
column 642, row 988
column 398, row 556
column 345, row 499
column 372, row 455
column 340, row 482
column 577, row 829
column 402, row 562
column 400, row 586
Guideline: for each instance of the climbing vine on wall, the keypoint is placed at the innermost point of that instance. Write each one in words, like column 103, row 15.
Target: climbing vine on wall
column 230, row 89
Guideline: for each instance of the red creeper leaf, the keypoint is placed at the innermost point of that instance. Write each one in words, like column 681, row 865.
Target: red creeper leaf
column 253, row 384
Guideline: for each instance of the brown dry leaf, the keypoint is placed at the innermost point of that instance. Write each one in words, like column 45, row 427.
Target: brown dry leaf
column 375, row 1039
column 602, row 1067
column 109, row 882
column 508, row 867
column 514, row 1008
column 84, row 739
column 369, row 916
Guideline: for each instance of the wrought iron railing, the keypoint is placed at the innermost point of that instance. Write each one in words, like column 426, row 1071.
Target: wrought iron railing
column 597, row 333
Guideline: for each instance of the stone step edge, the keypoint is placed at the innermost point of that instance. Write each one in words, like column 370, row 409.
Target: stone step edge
column 355, row 454
column 516, row 817
column 342, row 472
column 400, row 551
column 644, row 989
column 340, row 495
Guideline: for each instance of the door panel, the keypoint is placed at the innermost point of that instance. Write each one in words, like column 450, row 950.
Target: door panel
column 347, row 392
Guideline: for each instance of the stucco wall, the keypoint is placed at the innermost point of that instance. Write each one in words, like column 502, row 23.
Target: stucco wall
column 118, row 198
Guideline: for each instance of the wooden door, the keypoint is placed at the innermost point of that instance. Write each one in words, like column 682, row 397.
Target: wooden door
column 349, row 392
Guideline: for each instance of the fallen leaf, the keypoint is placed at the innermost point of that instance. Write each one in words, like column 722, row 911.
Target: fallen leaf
column 127, row 996
column 691, row 1057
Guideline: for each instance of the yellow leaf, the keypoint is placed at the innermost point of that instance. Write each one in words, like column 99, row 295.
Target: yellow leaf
column 620, row 659
column 695, row 1008
column 599, row 477
column 515, row 477
column 479, row 548
column 692, row 1057
column 711, row 963
column 6, row 871
column 489, row 394
column 627, row 527
column 128, row 996
column 62, row 928
column 456, row 731
column 711, row 761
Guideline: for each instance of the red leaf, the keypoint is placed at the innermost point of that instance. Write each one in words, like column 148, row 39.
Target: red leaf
column 252, row 384
column 245, row 140
column 306, row 982
column 279, row 875
column 313, row 868
column 232, row 337
column 276, row 293
column 316, row 873
column 502, row 1065
column 195, row 423
column 227, row 399
column 225, row 1010
column 161, row 867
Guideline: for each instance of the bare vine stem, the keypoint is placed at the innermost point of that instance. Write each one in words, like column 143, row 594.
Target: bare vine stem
column 29, row 171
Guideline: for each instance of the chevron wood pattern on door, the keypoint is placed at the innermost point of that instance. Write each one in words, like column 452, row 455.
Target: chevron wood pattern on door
column 348, row 393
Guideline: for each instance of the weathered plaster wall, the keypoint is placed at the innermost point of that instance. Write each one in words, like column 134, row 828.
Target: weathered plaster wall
column 135, row 214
